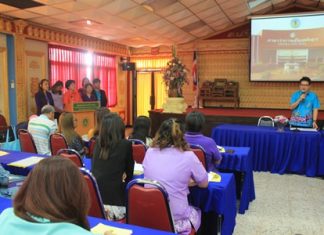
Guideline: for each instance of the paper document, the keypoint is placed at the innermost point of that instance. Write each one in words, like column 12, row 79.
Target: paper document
column 102, row 228
column 26, row 162
column 214, row 177
column 138, row 169
column 221, row 149
column 302, row 129
column 2, row 153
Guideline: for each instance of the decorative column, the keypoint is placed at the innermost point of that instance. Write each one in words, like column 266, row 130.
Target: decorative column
column 21, row 86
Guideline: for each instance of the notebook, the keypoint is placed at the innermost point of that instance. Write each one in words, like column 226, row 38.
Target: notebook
column 102, row 228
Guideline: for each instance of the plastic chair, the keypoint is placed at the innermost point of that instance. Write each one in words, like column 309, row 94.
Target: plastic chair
column 26, row 140
column 57, row 142
column 148, row 206
column 96, row 208
column 200, row 153
column 139, row 150
column 266, row 121
column 71, row 154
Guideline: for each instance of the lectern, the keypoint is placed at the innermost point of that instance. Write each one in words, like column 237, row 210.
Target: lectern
column 85, row 113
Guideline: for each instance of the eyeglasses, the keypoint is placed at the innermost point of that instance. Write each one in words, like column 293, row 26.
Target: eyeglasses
column 302, row 84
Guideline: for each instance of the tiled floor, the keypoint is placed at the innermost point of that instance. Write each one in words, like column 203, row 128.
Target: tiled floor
column 284, row 205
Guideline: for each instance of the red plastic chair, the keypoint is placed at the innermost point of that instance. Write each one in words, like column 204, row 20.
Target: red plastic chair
column 139, row 150
column 71, row 154
column 57, row 142
column 200, row 153
column 149, row 206
column 26, row 140
column 92, row 143
column 96, row 208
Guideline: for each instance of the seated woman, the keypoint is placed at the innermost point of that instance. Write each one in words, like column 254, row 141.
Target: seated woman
column 100, row 113
column 54, row 199
column 194, row 124
column 88, row 95
column 43, row 96
column 141, row 130
column 113, row 165
column 68, row 123
column 70, row 96
column 170, row 162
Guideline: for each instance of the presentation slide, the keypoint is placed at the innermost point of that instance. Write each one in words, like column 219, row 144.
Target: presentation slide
column 287, row 48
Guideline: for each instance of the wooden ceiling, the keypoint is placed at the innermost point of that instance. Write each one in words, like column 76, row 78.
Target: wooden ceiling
column 139, row 23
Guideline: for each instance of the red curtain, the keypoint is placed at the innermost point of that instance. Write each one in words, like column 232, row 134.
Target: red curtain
column 104, row 68
column 69, row 63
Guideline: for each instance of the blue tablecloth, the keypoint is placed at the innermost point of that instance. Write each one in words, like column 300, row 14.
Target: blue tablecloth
column 219, row 198
column 277, row 152
column 6, row 203
column 241, row 160
column 13, row 156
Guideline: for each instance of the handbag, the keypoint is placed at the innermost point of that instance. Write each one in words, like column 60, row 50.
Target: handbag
column 13, row 145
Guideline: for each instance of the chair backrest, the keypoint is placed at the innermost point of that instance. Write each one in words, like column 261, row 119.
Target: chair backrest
column 266, row 121
column 57, row 142
column 92, row 143
column 72, row 155
column 26, row 140
column 139, row 150
column 148, row 206
column 96, row 208
column 200, row 153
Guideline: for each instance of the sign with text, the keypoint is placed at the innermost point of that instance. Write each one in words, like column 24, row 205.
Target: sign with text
column 85, row 106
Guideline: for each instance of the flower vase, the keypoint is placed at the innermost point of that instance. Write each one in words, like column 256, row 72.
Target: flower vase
column 281, row 127
column 172, row 92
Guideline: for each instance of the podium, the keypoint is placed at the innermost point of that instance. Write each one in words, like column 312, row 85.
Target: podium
column 85, row 113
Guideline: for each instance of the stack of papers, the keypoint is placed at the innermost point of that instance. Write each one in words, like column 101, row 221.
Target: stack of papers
column 138, row 169
column 26, row 162
column 214, row 177
column 2, row 153
column 102, row 228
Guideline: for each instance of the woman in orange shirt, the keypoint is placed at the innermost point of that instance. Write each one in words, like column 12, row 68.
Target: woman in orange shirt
column 70, row 96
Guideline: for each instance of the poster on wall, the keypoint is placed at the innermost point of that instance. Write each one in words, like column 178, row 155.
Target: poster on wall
column 35, row 73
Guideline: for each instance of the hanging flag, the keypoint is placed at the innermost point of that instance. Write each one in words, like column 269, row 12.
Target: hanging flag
column 194, row 71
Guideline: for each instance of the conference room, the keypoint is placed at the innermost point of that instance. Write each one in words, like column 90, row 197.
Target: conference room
column 179, row 116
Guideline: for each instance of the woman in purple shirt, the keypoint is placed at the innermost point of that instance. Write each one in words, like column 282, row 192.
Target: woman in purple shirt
column 170, row 162
column 194, row 124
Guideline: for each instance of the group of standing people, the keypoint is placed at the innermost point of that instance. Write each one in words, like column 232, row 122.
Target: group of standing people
column 63, row 102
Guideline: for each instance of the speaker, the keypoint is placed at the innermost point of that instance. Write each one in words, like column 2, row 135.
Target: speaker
column 128, row 66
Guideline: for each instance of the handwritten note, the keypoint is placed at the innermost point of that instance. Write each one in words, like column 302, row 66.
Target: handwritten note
column 102, row 228
column 26, row 162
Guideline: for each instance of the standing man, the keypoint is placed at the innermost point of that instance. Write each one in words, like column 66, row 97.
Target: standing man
column 101, row 94
column 41, row 128
column 304, row 104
